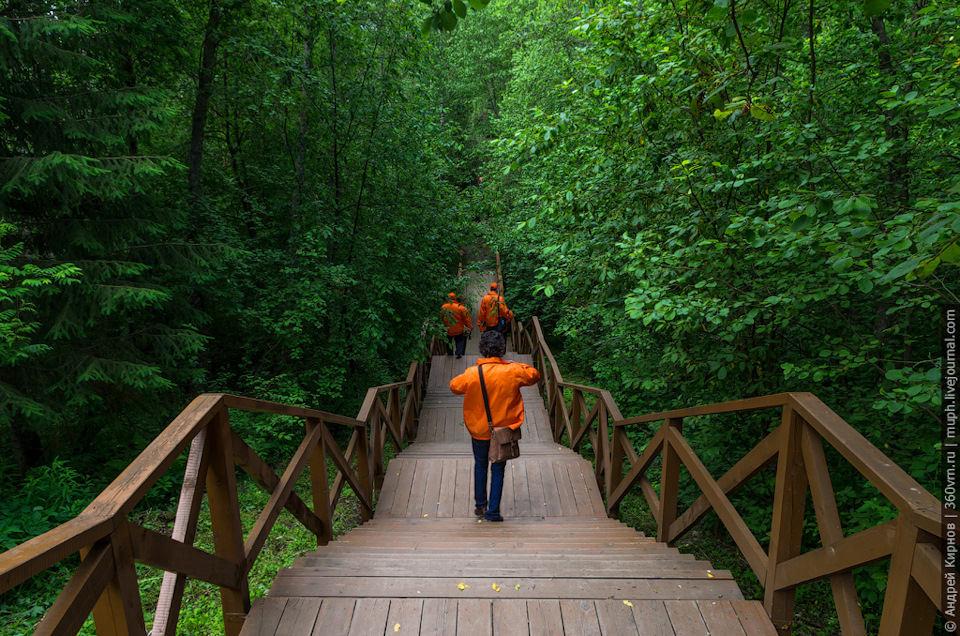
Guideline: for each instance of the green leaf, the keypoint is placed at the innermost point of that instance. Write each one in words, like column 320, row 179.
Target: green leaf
column 800, row 223
column 477, row 4
column 722, row 114
column 448, row 21
column 427, row 25
column 460, row 9
column 951, row 253
column 762, row 113
column 943, row 108
column 873, row 8
column 903, row 269
column 865, row 285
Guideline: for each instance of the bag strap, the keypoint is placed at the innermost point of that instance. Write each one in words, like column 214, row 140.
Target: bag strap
column 486, row 400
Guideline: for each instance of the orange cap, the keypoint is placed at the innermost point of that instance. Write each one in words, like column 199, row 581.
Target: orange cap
column 493, row 285
column 452, row 295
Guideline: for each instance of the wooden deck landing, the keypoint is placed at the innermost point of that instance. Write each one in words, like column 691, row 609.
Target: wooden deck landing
column 557, row 565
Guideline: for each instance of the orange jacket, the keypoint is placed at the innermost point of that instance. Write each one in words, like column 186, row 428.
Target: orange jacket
column 455, row 317
column 488, row 314
column 503, row 380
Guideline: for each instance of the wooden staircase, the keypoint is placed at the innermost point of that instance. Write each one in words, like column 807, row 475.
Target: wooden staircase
column 557, row 565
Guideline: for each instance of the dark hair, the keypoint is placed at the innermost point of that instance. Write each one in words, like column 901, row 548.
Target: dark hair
column 492, row 344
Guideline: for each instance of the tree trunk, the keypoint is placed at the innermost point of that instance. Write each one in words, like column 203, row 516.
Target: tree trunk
column 208, row 57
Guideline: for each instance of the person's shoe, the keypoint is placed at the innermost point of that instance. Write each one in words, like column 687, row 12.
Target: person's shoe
column 480, row 511
column 494, row 519
column 458, row 357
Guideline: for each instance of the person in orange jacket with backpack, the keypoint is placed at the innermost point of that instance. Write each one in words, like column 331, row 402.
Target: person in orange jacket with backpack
column 503, row 380
column 456, row 318
column 493, row 308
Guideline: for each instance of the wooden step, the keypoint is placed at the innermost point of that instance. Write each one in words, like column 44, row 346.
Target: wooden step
column 486, row 617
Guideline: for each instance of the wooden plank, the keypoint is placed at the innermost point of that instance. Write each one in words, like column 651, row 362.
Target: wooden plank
column 786, row 531
column 521, row 494
column 616, row 618
column 731, row 481
column 720, row 617
column 405, row 612
column 448, row 479
column 264, row 617
column 748, row 544
column 170, row 597
column 263, row 406
column 370, row 617
column 901, row 489
column 464, row 501
column 579, row 487
column 431, row 491
column 508, row 506
column 346, row 470
column 863, row 548
column 579, row 617
column 685, row 618
column 401, row 500
column 80, row 594
column 162, row 552
column 418, row 487
column 267, row 480
column 389, row 492
column 652, row 618
column 266, row 519
column 439, row 617
column 906, row 608
column 568, row 506
column 545, row 618
column 221, row 480
column 334, row 617
column 656, row 567
column 481, row 587
column 299, row 616
column 831, row 531
column 510, row 617
column 538, row 501
column 753, row 619
column 748, row 404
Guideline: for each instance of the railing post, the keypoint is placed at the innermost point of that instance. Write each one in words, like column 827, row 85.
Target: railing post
column 319, row 484
column 601, row 463
column 376, row 433
column 669, row 480
column 576, row 414
column 118, row 610
column 614, row 470
column 786, row 531
column 225, row 520
column 364, row 473
column 906, row 608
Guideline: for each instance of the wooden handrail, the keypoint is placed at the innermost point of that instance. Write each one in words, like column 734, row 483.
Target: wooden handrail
column 106, row 581
column 912, row 542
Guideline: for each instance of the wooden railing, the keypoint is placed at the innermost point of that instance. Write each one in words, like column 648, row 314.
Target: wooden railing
column 109, row 543
column 912, row 541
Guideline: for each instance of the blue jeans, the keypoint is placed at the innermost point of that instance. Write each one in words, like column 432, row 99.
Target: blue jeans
column 481, row 450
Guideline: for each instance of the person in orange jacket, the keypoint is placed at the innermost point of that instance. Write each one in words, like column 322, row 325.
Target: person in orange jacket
column 503, row 380
column 492, row 308
column 456, row 318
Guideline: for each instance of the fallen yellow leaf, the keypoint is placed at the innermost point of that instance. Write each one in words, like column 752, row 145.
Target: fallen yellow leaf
column 396, row 627
column 710, row 575
column 425, row 516
column 496, row 588
column 627, row 603
column 517, row 586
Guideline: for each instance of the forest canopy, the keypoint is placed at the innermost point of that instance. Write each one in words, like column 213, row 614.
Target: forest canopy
column 703, row 200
